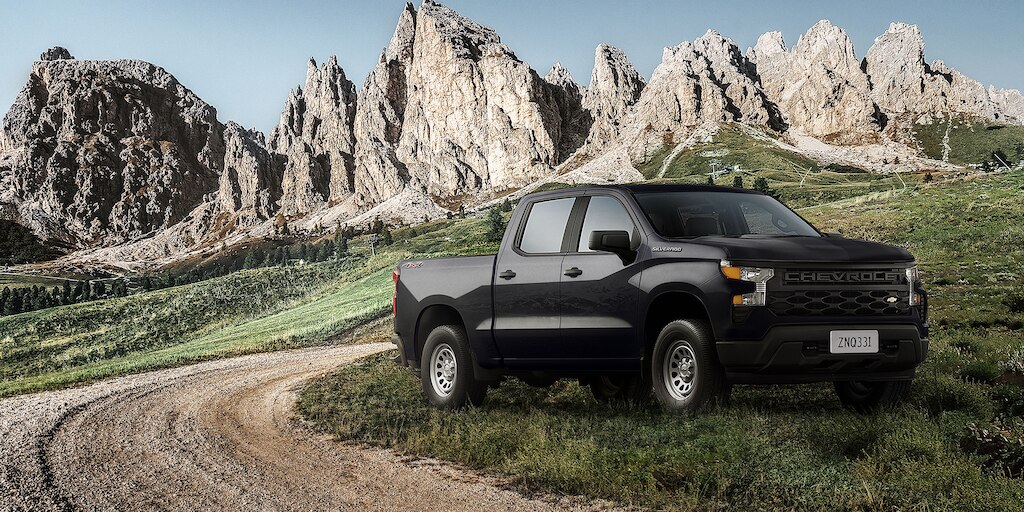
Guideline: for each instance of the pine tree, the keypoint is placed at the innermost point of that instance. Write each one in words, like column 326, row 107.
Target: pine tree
column 343, row 247
column 449, row 215
column 711, row 180
column 13, row 304
column 506, row 205
column 737, row 181
column 928, row 178
column 386, row 236
column 325, row 251
column 252, row 260
column 495, row 225
column 337, row 231
column 66, row 293
column 462, row 211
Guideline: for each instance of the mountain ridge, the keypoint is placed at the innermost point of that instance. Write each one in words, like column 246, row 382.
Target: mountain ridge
column 120, row 161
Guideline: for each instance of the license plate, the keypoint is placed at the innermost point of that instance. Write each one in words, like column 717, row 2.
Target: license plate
column 853, row 342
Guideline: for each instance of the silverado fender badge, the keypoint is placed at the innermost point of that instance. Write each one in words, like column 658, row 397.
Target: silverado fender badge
column 666, row 249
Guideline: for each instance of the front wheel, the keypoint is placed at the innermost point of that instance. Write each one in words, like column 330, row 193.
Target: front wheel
column 446, row 370
column 684, row 366
column 868, row 397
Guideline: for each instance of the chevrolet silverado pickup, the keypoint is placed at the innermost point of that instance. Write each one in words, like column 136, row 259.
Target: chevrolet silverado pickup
column 679, row 290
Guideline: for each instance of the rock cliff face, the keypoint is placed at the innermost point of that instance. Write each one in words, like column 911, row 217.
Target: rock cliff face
column 615, row 86
column 904, row 84
column 118, row 153
column 380, row 117
column 109, row 151
column 316, row 137
column 477, row 119
column 818, row 85
column 699, row 83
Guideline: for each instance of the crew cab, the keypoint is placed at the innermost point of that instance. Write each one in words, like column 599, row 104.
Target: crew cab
column 679, row 290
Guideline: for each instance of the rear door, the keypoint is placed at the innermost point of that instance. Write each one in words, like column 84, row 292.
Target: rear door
column 599, row 291
column 526, row 281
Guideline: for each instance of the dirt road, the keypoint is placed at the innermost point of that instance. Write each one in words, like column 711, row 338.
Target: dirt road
column 217, row 435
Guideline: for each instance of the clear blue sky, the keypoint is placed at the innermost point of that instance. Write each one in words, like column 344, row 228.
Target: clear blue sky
column 243, row 57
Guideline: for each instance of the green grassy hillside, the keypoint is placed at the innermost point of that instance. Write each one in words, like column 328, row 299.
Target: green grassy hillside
column 954, row 446
column 251, row 310
column 800, row 180
column 970, row 142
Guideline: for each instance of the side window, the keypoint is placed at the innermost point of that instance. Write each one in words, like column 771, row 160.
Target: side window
column 604, row 213
column 545, row 226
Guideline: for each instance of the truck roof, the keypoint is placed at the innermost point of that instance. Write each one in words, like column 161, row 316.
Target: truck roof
column 633, row 188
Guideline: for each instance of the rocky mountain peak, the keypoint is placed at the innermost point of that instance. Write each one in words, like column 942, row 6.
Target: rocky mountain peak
column 316, row 135
column 697, row 86
column 818, row 84
column 110, row 151
column 904, row 84
column 559, row 75
column 615, row 86
column 768, row 45
column 56, row 53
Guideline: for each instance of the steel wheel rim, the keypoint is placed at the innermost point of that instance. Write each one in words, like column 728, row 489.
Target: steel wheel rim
column 680, row 370
column 443, row 370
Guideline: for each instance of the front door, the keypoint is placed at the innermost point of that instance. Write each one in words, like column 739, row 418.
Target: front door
column 526, row 282
column 600, row 292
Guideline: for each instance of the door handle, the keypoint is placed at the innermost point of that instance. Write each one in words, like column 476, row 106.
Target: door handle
column 573, row 272
column 506, row 275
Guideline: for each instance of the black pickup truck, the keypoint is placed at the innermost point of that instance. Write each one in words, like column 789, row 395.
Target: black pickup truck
column 680, row 289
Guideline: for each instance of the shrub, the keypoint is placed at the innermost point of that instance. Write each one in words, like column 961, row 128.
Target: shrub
column 1009, row 399
column 939, row 393
column 980, row 371
column 1014, row 303
column 1000, row 445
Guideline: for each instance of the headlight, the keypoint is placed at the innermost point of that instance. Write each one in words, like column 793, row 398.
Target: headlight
column 756, row 275
column 913, row 278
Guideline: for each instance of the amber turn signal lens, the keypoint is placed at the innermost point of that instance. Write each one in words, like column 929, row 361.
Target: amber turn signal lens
column 731, row 272
column 737, row 300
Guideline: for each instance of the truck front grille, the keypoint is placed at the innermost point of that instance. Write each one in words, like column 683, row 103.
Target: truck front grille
column 851, row 302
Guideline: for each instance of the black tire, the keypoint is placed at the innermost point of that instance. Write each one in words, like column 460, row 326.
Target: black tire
column 700, row 384
column 630, row 388
column 869, row 397
column 455, row 386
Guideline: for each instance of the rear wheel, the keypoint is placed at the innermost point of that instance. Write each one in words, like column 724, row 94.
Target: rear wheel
column 634, row 388
column 868, row 397
column 686, row 373
column 446, row 370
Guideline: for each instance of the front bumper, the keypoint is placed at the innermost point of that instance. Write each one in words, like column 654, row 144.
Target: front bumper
column 800, row 353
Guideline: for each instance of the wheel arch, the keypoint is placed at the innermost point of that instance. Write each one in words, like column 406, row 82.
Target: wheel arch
column 430, row 318
column 669, row 305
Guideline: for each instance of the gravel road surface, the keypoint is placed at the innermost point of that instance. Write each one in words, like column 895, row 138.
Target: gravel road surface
column 219, row 435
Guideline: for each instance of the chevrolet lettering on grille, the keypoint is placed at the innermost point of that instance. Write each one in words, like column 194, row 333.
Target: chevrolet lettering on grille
column 844, row 276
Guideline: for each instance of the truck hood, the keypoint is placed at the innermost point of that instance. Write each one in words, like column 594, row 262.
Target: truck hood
column 805, row 249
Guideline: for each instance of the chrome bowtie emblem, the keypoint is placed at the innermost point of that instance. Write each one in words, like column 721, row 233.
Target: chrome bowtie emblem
column 891, row 300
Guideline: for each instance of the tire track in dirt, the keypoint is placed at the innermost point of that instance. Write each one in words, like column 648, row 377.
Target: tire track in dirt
column 219, row 435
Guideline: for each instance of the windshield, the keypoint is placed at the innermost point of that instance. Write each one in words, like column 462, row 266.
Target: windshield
column 693, row 214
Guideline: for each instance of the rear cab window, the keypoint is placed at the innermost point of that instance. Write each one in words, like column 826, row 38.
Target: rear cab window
column 545, row 226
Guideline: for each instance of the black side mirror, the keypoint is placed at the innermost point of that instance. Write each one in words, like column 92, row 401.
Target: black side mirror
column 617, row 242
